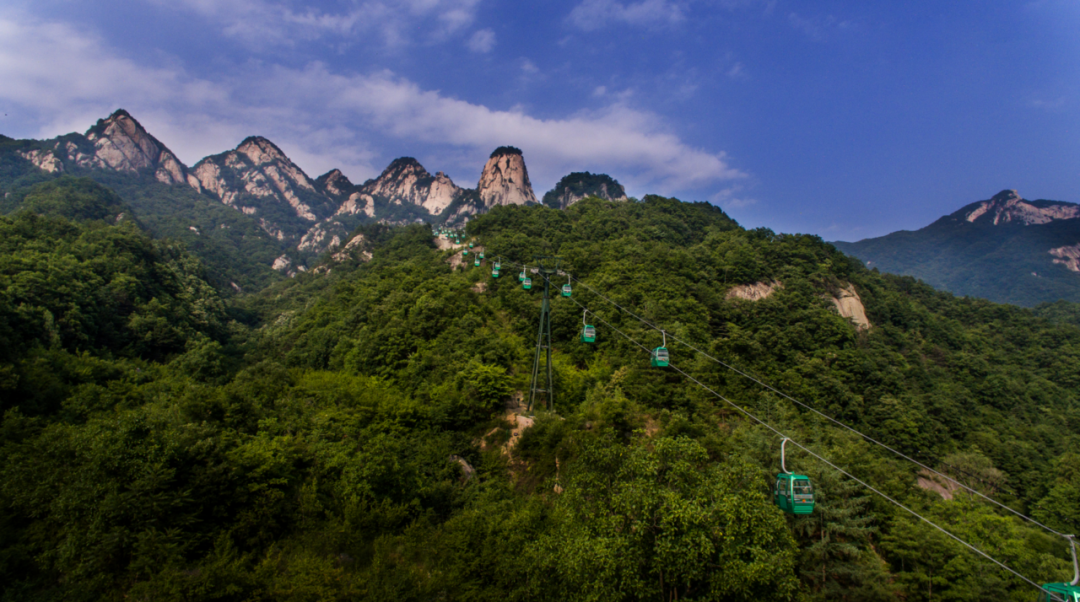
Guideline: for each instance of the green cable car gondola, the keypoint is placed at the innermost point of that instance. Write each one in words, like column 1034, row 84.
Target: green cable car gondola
column 1064, row 592
column 793, row 493
column 481, row 254
column 495, row 273
column 566, row 291
column 588, row 331
column 470, row 245
column 521, row 276
column 465, row 253
column 659, row 355
column 498, row 264
column 476, row 262
column 526, row 283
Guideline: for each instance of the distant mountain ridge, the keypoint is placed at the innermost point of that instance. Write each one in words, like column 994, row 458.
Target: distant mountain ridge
column 1005, row 249
column 305, row 216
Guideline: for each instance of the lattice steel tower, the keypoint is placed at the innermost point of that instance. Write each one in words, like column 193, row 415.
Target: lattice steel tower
column 546, row 268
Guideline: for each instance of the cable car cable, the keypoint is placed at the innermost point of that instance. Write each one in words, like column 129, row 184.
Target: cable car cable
column 823, row 460
column 826, row 416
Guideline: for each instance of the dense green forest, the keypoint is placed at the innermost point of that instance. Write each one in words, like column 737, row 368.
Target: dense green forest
column 347, row 434
column 235, row 250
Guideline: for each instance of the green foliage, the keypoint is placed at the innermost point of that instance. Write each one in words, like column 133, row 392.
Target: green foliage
column 1006, row 263
column 663, row 523
column 584, row 184
column 344, row 434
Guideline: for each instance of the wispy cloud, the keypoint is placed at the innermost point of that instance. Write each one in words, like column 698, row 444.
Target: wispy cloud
column 819, row 27
column 67, row 79
column 276, row 22
column 482, row 41
column 732, row 197
column 1047, row 104
column 591, row 15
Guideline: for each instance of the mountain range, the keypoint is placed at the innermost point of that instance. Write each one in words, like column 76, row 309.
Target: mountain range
column 1005, row 249
column 300, row 217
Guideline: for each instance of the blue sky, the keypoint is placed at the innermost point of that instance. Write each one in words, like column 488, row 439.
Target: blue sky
column 839, row 118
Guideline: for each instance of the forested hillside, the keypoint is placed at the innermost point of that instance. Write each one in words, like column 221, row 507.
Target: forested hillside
column 354, row 432
column 1005, row 249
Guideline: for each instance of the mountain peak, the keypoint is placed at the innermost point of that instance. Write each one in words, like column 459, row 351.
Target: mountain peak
column 260, row 150
column 402, row 163
column 334, row 183
column 121, row 143
column 1005, row 196
column 580, row 184
column 505, row 180
column 1007, row 207
column 505, row 150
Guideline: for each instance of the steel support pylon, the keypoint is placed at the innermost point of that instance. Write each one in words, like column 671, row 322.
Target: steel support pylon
column 543, row 338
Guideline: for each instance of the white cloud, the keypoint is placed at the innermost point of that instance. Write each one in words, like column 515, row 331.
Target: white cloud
column 731, row 198
column 321, row 118
column 482, row 41
column 617, row 136
column 271, row 22
column 591, row 15
column 818, row 28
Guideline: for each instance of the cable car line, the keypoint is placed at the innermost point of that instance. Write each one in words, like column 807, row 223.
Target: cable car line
column 823, row 460
column 826, row 416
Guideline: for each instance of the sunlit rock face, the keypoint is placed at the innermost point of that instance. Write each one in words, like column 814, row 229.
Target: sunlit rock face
column 405, row 181
column 258, row 179
column 117, row 143
column 1006, row 207
column 505, row 181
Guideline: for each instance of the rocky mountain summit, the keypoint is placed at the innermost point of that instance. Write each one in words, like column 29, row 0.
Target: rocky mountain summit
column 1006, row 207
column 1006, row 249
column 306, row 216
column 578, row 185
column 258, row 179
column 117, row 143
column 505, row 181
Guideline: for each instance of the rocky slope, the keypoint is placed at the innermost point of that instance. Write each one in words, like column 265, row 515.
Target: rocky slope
column 118, row 143
column 505, row 181
column 258, row 179
column 1006, row 249
column 578, row 185
column 306, row 216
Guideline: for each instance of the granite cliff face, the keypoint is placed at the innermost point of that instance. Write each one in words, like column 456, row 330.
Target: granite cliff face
column 505, row 181
column 301, row 214
column 258, row 179
column 405, row 181
column 117, row 143
column 1006, row 207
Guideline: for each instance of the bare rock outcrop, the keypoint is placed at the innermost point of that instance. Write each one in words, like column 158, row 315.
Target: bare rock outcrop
column 505, row 181
column 1006, row 207
column 334, row 184
column 122, row 144
column 1069, row 256
column 43, row 159
column 849, row 305
column 356, row 248
column 405, row 181
column 258, row 179
column 753, row 292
